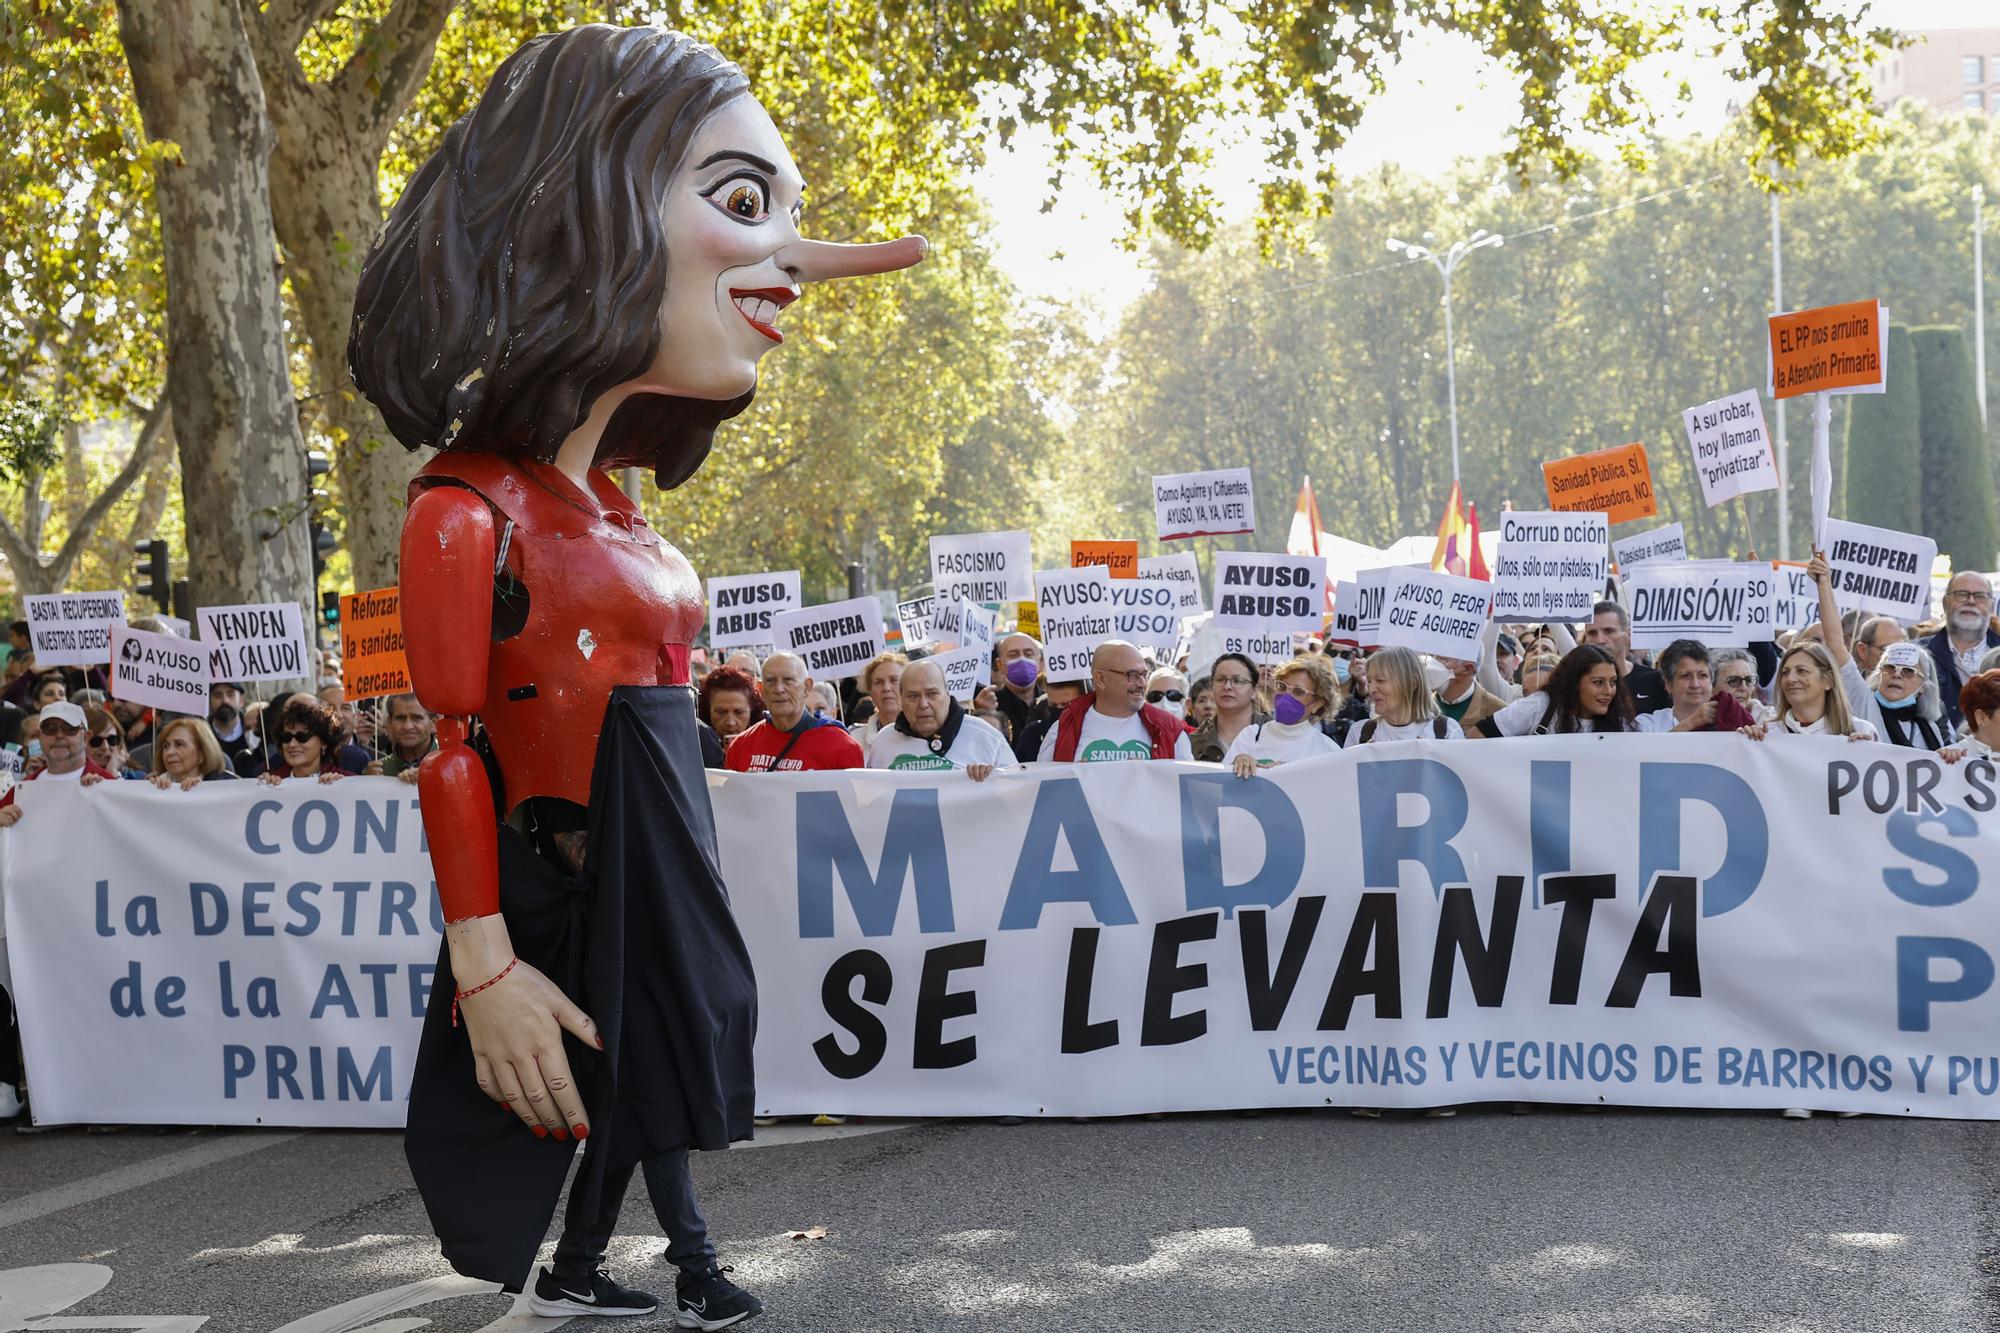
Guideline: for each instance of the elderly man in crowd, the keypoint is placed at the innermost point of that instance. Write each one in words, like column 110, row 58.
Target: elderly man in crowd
column 1114, row 722
column 1967, row 634
column 1018, row 663
column 1462, row 699
column 933, row 730
column 411, row 736
column 793, row 737
column 60, row 727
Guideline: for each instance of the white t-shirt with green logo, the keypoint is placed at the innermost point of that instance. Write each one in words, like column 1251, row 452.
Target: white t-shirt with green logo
column 1110, row 740
column 977, row 742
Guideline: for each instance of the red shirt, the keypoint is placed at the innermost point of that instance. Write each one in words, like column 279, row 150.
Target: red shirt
column 821, row 744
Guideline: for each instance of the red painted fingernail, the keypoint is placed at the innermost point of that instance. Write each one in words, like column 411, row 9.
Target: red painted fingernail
column 540, row 1133
column 582, row 1131
column 563, row 1136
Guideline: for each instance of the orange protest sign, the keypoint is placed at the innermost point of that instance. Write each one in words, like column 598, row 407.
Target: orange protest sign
column 1614, row 482
column 1120, row 559
column 371, row 644
column 1833, row 348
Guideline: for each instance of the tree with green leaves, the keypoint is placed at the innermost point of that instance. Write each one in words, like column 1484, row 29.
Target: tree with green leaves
column 1957, row 471
column 1884, row 472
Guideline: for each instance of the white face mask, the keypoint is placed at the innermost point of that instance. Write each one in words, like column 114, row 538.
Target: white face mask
column 1169, row 706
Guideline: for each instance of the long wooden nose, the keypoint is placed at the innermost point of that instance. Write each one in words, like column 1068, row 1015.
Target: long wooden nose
column 818, row 261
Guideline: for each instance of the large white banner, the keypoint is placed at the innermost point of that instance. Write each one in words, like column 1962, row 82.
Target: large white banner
column 1672, row 920
column 233, row 955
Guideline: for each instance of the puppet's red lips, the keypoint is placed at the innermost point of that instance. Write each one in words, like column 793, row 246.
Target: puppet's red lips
column 760, row 306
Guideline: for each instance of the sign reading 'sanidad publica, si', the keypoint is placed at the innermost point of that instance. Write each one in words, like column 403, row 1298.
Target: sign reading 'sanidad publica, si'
column 1269, row 594
column 72, row 628
column 740, row 606
column 981, row 567
column 1549, row 565
column 1617, row 483
column 1204, row 504
column 263, row 641
column 835, row 640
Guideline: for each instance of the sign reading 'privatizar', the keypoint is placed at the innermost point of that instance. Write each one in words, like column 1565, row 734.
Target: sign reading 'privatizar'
column 1549, row 566
column 835, row 640
column 1439, row 614
column 265, row 641
column 981, row 566
column 72, row 628
column 1879, row 569
column 741, row 606
column 1204, row 504
column 1270, row 594
column 1075, row 609
column 1732, row 448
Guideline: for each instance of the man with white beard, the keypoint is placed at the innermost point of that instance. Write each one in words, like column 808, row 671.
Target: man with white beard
column 1967, row 634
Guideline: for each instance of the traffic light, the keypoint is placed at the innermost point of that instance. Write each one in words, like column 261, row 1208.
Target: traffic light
column 329, row 608
column 323, row 542
column 155, row 578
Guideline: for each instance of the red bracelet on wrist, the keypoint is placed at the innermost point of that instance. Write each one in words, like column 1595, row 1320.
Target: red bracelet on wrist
column 490, row 981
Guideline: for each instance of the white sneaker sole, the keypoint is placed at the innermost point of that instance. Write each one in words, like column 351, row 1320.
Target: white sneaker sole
column 689, row 1319
column 555, row 1309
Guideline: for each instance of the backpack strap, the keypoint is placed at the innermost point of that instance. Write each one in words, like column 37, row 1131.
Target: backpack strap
column 1438, row 727
column 1368, row 731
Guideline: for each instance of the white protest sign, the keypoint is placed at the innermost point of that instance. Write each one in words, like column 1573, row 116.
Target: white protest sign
column 835, row 640
column 1879, row 569
column 72, row 628
column 1794, row 600
column 976, row 625
column 961, row 622
column 1664, row 543
column 1357, row 606
column 1549, row 566
column 1269, row 594
column 158, row 670
column 1208, row 643
column 1204, row 504
column 982, row 567
column 915, row 618
column 1182, row 573
column 1439, row 614
column 1718, row 602
column 965, row 670
column 261, row 641
column 1145, row 612
column 741, row 606
column 1075, row 610
column 1732, row 447
column 175, row 624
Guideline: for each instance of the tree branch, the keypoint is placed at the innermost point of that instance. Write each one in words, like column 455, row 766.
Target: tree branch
column 15, row 547
column 283, row 24
column 393, row 58
column 85, row 527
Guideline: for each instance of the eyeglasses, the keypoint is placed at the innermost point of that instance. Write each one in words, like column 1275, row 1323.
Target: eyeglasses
column 57, row 729
column 1171, row 696
column 1739, row 682
column 1339, row 652
column 295, row 737
column 1241, row 682
column 104, row 742
column 1135, row 677
column 1303, row 693
column 1967, row 595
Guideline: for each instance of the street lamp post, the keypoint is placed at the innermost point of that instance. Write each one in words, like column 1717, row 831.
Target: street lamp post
column 1979, row 294
column 1445, row 264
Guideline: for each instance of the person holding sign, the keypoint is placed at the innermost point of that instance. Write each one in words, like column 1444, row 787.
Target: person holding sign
column 1810, row 699
column 1585, row 693
column 1401, row 703
column 1900, row 701
column 793, row 738
column 932, row 730
column 538, row 345
column 1306, row 690
column 1114, row 722
column 1981, row 739
column 59, row 726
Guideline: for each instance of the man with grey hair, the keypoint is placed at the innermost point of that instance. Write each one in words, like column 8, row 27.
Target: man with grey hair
column 1968, row 632
column 793, row 738
column 1114, row 721
column 933, row 730
column 1610, row 628
column 1875, row 634
column 1735, row 673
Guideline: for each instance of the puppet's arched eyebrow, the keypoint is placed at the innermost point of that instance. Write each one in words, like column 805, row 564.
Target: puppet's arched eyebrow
column 740, row 155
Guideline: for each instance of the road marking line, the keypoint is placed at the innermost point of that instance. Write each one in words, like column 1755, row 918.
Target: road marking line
column 90, row 1189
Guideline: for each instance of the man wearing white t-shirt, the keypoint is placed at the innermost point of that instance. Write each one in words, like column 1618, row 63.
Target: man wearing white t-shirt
column 1114, row 722
column 61, row 734
column 934, row 731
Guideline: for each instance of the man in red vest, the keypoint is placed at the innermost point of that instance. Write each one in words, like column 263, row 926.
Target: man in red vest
column 1114, row 722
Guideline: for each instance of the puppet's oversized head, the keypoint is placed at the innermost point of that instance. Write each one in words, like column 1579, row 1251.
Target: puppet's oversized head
column 614, row 227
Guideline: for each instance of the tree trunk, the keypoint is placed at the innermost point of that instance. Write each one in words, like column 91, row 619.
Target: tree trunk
column 243, row 473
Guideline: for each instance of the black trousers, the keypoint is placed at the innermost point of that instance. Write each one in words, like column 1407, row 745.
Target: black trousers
column 588, row 1224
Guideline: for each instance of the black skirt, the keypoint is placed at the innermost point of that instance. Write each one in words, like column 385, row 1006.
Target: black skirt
column 644, row 942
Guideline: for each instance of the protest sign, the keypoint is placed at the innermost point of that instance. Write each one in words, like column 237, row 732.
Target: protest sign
column 915, row 618
column 1716, row 601
column 1549, row 566
column 1794, row 600
column 175, row 625
column 1879, row 569
column 1206, row 643
column 1358, row 606
column 1120, row 559
column 1269, row 594
column 159, row 670
column 263, row 641
column 1027, row 620
column 981, row 566
column 961, row 623
column 372, row 658
column 1663, row 543
column 1145, row 612
column 1204, row 504
column 1075, row 609
column 965, row 670
column 1182, row 573
column 1614, row 482
column 1833, row 349
column 740, row 606
column 1732, row 448
column 72, row 628
column 1435, row 613
column 835, row 640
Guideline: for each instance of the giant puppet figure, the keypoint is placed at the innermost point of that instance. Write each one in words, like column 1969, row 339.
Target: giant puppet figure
column 584, row 276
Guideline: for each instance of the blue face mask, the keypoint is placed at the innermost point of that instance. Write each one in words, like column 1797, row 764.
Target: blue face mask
column 1910, row 702
column 1340, row 665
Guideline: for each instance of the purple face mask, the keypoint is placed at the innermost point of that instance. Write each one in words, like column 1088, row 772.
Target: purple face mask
column 1288, row 710
column 1021, row 672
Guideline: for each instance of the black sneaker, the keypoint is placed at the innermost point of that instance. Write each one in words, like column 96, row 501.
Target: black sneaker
column 594, row 1294
column 709, row 1301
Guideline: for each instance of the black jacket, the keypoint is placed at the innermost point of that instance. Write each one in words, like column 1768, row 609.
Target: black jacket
column 1949, row 681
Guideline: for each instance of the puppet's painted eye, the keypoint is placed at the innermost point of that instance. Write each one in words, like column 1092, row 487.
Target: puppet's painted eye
column 744, row 199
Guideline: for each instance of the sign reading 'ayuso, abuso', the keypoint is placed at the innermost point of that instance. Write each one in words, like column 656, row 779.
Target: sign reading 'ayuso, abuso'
column 1695, row 921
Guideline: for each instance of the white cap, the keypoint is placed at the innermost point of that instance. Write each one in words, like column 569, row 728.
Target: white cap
column 61, row 711
column 1904, row 654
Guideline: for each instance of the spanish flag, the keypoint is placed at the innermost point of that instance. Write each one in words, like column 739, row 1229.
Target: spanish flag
column 1458, row 540
column 1304, row 536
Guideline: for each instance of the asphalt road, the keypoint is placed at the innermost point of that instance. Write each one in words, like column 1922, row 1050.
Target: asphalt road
column 1556, row 1221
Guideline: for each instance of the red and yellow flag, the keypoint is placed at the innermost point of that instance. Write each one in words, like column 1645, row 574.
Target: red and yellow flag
column 1304, row 536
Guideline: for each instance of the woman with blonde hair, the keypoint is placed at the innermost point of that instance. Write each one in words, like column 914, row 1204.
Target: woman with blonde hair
column 1403, row 707
column 1811, row 701
column 1306, row 691
column 186, row 754
column 882, row 681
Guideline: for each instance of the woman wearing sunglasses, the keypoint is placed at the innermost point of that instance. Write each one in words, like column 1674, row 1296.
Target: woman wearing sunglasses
column 308, row 735
column 1167, row 688
column 107, row 744
column 1900, row 701
column 1305, row 691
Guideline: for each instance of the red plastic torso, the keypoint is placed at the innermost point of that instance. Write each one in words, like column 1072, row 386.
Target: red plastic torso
column 608, row 603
